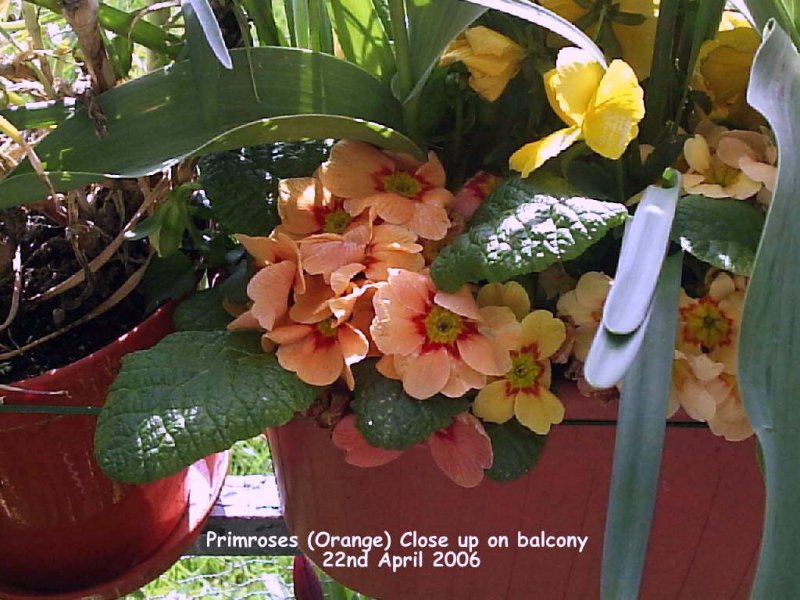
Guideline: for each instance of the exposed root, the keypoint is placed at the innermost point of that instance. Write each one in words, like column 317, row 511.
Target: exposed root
column 108, row 252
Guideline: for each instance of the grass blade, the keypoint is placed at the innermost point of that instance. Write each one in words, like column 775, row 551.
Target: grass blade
column 639, row 443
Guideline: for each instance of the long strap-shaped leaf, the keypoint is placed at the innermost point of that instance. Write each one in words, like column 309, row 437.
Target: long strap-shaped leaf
column 639, row 442
column 641, row 257
column 156, row 120
column 769, row 345
column 621, row 331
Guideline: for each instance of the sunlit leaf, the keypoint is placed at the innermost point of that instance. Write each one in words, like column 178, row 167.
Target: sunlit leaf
column 770, row 332
column 639, row 443
column 156, row 120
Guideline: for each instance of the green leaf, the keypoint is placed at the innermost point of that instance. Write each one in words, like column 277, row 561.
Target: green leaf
column 242, row 195
column 155, row 120
column 516, row 450
column 547, row 19
column 513, row 238
column 263, row 17
column 721, row 232
column 362, row 37
column 390, row 418
column 639, row 442
column 769, row 340
column 641, row 257
column 202, row 311
column 168, row 278
column 293, row 159
column 203, row 60
column 193, row 394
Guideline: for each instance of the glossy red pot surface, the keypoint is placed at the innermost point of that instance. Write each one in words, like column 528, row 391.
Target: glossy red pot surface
column 63, row 524
column 704, row 541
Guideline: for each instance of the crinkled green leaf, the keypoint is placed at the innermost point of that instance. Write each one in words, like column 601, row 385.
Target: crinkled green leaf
column 293, row 159
column 721, row 232
column 202, row 311
column 769, row 342
column 516, row 449
column 390, row 418
column 166, row 278
column 193, row 394
column 243, row 195
column 538, row 231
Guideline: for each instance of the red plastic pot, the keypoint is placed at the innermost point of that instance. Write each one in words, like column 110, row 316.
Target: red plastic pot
column 704, row 541
column 65, row 528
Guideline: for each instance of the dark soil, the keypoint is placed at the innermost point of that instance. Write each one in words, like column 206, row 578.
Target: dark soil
column 48, row 258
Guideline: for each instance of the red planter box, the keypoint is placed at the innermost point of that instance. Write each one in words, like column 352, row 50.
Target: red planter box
column 704, row 542
column 64, row 526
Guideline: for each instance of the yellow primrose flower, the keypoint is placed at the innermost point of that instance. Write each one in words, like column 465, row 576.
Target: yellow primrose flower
column 492, row 59
column 636, row 41
column 510, row 294
column 601, row 107
column 722, row 72
column 524, row 390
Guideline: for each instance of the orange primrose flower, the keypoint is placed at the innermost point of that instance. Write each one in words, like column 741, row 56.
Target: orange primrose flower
column 402, row 190
column 439, row 342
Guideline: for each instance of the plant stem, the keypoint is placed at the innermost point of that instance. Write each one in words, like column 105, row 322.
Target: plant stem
column 402, row 55
column 45, row 75
column 49, row 410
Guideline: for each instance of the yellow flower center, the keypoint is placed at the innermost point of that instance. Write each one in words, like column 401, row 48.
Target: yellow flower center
column 443, row 326
column 706, row 324
column 722, row 174
column 336, row 221
column 327, row 328
column 525, row 371
column 403, row 184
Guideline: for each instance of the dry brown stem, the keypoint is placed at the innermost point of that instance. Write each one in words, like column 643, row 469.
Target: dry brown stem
column 82, row 17
column 101, row 259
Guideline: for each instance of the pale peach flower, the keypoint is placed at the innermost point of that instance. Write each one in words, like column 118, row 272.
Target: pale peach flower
column 729, row 164
column 711, row 324
column 402, row 191
column 584, row 307
column 438, row 342
column 730, row 420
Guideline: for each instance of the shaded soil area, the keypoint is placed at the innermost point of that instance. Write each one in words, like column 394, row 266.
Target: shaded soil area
column 50, row 252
